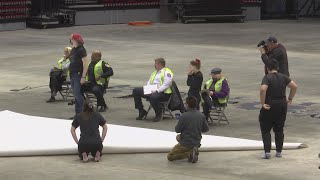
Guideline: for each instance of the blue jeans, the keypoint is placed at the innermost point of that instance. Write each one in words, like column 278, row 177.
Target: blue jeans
column 76, row 89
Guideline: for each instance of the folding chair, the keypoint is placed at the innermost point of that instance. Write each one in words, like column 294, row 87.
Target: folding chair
column 164, row 108
column 92, row 97
column 217, row 114
column 66, row 90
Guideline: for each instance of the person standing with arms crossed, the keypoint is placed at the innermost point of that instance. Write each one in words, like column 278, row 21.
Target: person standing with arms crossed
column 274, row 106
column 78, row 69
column 194, row 81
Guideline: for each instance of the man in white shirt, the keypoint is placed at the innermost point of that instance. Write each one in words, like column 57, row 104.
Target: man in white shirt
column 162, row 77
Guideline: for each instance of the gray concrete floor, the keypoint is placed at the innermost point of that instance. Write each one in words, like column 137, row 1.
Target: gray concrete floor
column 27, row 55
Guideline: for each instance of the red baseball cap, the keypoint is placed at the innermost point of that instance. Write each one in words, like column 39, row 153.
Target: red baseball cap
column 77, row 37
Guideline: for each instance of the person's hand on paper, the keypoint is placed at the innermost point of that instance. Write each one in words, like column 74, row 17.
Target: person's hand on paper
column 154, row 92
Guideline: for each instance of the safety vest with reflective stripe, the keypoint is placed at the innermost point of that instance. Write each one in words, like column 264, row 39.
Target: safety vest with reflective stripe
column 98, row 71
column 217, row 88
column 153, row 75
column 60, row 65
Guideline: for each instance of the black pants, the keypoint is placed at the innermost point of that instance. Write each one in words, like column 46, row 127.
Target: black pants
column 273, row 119
column 197, row 96
column 208, row 103
column 56, row 81
column 97, row 90
column 89, row 148
column 154, row 99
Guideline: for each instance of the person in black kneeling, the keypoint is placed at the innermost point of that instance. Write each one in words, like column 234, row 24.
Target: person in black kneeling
column 194, row 81
column 97, row 79
column 216, row 91
column 90, row 139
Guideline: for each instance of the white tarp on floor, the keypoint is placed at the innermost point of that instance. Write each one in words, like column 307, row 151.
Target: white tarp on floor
column 23, row 135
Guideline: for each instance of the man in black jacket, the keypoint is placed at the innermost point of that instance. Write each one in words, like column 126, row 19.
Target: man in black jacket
column 190, row 126
column 97, row 79
column 275, row 50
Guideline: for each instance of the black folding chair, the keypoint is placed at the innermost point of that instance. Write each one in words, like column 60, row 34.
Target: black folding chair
column 164, row 108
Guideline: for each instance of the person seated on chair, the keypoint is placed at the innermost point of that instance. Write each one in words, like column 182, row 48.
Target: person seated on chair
column 90, row 139
column 162, row 77
column 216, row 91
column 190, row 126
column 98, row 75
column 59, row 74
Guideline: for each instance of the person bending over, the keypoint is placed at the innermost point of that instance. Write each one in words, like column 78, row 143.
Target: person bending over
column 90, row 140
column 190, row 126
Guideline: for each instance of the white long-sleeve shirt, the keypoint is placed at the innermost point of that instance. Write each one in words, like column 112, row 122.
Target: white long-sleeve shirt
column 166, row 82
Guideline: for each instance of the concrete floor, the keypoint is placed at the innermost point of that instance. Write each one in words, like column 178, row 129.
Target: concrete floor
column 27, row 55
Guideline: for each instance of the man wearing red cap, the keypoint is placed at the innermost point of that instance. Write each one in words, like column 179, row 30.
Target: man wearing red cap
column 78, row 69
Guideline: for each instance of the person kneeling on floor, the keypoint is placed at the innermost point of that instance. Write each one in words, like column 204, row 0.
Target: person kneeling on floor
column 90, row 139
column 98, row 75
column 190, row 126
column 59, row 74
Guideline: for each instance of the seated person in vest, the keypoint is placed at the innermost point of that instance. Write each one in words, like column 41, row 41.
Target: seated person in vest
column 98, row 75
column 59, row 74
column 216, row 91
column 162, row 77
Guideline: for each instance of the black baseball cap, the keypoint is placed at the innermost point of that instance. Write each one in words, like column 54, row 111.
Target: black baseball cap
column 271, row 39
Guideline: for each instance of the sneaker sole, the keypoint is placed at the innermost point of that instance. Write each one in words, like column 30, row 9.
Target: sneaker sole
column 195, row 154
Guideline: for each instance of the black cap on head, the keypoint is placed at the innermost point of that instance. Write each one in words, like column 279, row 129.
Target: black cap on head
column 271, row 39
column 216, row 71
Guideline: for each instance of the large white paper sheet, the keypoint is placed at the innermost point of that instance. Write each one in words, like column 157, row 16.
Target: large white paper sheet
column 148, row 89
column 23, row 135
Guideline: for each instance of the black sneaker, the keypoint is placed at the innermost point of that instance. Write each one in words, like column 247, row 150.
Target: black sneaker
column 157, row 118
column 194, row 155
column 142, row 114
column 52, row 99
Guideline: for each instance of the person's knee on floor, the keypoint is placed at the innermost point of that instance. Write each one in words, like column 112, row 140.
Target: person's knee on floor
column 88, row 140
column 190, row 122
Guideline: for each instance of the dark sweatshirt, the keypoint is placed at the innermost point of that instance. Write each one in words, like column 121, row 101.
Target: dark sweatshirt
column 280, row 54
column 191, row 124
column 194, row 81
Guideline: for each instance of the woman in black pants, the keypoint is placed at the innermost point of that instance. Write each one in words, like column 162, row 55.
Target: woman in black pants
column 90, row 139
column 195, row 79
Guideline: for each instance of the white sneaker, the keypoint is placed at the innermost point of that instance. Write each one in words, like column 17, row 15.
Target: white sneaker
column 266, row 156
column 278, row 155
